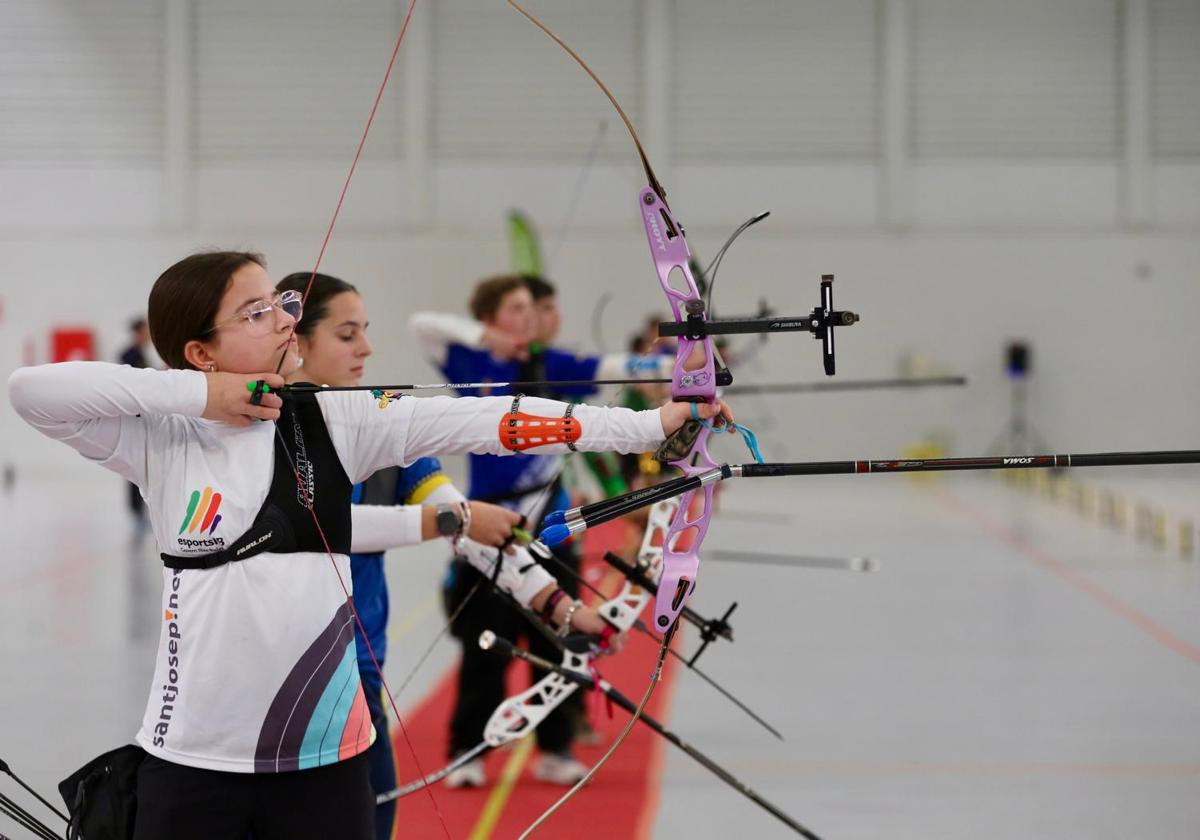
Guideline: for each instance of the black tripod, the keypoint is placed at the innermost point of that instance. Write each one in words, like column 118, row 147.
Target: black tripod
column 1019, row 436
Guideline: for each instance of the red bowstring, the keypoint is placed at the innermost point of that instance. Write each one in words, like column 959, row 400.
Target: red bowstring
column 361, row 144
column 299, row 481
column 308, row 502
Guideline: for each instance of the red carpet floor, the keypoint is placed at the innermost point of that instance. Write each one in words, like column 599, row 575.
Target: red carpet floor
column 620, row 802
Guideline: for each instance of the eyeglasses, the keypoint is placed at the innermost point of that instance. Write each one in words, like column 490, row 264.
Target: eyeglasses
column 259, row 314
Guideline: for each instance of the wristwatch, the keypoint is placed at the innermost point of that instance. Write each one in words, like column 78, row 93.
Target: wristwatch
column 448, row 519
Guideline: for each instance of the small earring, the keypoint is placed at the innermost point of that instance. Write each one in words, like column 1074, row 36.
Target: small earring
column 211, row 367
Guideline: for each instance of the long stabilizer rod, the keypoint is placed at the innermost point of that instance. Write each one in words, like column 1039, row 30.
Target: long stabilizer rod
column 576, row 520
column 490, row 641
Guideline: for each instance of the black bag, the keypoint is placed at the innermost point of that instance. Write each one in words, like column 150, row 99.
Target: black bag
column 101, row 796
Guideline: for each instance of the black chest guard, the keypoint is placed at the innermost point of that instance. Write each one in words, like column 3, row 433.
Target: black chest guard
column 285, row 524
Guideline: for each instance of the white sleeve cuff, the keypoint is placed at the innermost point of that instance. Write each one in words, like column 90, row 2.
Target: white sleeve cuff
column 619, row 429
column 376, row 528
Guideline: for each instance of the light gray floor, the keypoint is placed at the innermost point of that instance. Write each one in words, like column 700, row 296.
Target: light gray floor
column 1009, row 670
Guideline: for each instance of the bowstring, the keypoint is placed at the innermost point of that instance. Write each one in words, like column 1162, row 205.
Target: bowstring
column 657, row 187
column 283, row 356
column 308, row 502
column 637, row 141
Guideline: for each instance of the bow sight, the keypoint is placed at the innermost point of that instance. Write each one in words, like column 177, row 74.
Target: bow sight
column 820, row 322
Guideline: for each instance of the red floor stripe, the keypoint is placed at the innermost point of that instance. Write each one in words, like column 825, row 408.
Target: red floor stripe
column 622, row 799
column 1071, row 577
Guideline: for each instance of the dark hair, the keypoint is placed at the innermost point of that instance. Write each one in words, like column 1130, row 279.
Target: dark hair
column 638, row 342
column 137, row 323
column 325, row 287
column 485, row 300
column 539, row 287
column 186, row 298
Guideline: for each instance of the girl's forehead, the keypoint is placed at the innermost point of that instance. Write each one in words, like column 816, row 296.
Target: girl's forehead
column 347, row 306
column 251, row 279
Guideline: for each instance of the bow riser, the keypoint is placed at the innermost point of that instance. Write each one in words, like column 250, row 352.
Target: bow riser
column 623, row 610
column 680, row 566
column 694, row 381
column 525, row 711
column 695, row 369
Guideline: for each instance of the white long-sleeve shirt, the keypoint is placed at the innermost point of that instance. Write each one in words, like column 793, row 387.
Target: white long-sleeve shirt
column 256, row 668
column 383, row 527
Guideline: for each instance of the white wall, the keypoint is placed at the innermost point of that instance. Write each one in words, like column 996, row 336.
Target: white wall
column 1039, row 179
column 1112, row 320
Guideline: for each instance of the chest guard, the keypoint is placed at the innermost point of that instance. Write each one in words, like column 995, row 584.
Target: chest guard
column 284, row 524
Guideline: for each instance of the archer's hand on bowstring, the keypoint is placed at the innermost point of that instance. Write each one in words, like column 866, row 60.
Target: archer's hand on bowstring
column 675, row 414
column 493, row 525
column 230, row 395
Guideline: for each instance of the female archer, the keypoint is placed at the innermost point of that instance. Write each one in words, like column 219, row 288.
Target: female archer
column 256, row 721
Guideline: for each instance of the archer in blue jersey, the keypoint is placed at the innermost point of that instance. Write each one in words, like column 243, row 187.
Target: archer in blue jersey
column 500, row 345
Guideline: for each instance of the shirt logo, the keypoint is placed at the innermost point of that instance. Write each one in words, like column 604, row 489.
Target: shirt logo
column 202, row 513
column 172, row 649
column 385, row 397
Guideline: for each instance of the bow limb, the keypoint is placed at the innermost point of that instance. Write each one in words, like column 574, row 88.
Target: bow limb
column 623, row 609
column 655, row 677
column 425, row 780
column 637, row 141
column 520, row 714
column 695, row 370
column 505, row 647
column 434, row 777
column 514, row 718
column 694, row 381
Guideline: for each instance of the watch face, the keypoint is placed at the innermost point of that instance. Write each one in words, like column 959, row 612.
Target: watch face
column 447, row 522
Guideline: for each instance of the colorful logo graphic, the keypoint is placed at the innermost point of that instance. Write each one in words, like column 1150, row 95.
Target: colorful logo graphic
column 202, row 512
column 385, row 397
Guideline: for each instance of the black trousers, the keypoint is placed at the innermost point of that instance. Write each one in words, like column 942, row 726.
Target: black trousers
column 481, row 674
column 186, row 803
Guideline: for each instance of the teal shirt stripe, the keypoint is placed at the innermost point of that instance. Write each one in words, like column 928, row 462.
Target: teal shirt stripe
column 331, row 714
